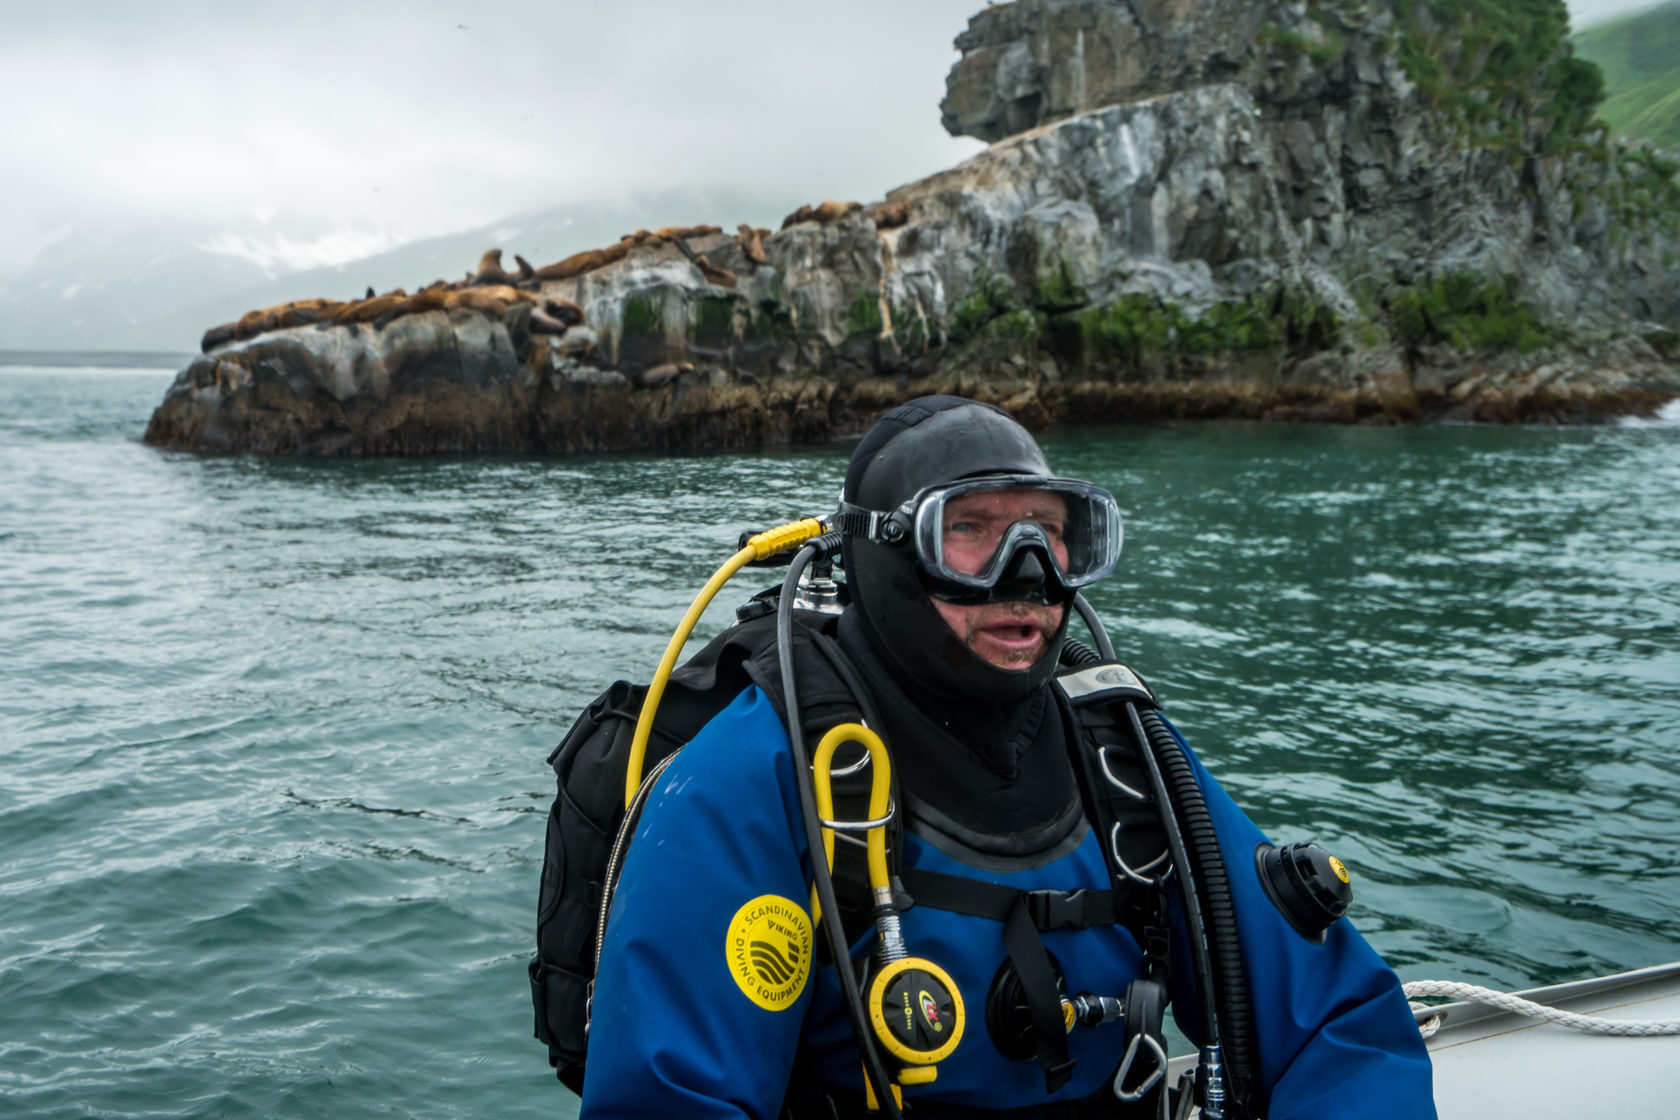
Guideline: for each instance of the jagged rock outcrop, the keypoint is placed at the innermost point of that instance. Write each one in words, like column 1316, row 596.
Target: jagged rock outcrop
column 1027, row 64
column 1191, row 208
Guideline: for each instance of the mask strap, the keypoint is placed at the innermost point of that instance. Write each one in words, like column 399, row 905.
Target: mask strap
column 880, row 526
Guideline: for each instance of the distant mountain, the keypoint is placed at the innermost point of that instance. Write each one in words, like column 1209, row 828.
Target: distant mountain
column 1640, row 58
column 102, row 289
column 161, row 288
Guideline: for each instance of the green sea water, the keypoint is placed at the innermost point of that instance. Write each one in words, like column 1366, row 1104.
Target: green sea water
column 272, row 732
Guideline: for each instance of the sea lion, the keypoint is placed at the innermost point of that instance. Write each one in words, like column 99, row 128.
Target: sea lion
column 679, row 233
column 891, row 215
column 486, row 301
column 217, row 336
column 526, row 272
column 833, row 211
column 365, row 311
column 294, row 313
column 587, row 261
column 493, row 300
column 370, row 292
column 430, row 298
column 541, row 322
column 752, row 245
column 303, row 316
column 824, row 213
column 507, row 293
column 720, row 276
column 564, row 310
column 660, row 375
column 490, row 270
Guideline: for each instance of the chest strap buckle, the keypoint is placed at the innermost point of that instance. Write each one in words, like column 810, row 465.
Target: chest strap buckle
column 1069, row 909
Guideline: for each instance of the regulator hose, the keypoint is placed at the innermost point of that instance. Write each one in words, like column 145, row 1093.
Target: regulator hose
column 821, row 881
column 759, row 546
column 1088, row 615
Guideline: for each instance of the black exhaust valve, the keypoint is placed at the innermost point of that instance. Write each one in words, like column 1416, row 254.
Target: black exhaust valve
column 1308, row 885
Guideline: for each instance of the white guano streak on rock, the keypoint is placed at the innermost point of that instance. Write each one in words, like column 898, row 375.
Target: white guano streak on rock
column 1128, row 146
column 1077, row 64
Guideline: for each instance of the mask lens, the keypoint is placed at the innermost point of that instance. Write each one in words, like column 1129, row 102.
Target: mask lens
column 969, row 532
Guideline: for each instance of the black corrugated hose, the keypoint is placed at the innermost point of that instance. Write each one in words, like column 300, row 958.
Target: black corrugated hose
column 1208, row 889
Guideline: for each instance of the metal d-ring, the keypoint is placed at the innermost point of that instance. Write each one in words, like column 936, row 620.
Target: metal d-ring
column 1138, row 874
column 861, row 826
column 860, row 764
column 1102, row 758
column 848, row 771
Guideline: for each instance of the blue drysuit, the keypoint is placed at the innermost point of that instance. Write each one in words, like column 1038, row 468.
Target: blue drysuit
column 687, row 1024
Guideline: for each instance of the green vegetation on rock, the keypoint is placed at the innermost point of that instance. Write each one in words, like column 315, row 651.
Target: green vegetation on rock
column 1017, row 330
column 991, row 297
column 1640, row 58
column 1326, row 49
column 864, row 315
column 1647, row 190
column 714, row 322
column 1472, row 313
column 1057, row 289
column 1498, row 67
column 1139, row 328
column 640, row 316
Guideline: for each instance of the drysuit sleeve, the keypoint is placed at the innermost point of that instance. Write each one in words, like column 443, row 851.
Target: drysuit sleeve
column 1336, row 1036
column 706, row 966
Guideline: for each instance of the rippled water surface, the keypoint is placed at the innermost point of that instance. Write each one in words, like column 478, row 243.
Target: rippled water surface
column 272, row 733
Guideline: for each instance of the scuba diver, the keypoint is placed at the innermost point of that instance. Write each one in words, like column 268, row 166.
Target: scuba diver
column 1047, row 866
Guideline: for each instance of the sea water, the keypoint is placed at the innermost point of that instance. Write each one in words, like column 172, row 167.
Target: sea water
column 272, row 731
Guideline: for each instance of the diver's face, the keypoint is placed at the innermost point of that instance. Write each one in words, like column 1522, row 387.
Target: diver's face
column 1013, row 634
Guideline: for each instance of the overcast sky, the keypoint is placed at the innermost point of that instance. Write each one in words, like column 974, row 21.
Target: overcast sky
column 310, row 132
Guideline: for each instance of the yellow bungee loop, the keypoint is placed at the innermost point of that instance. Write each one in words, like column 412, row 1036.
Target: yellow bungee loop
column 896, row 971
column 880, row 801
column 760, row 547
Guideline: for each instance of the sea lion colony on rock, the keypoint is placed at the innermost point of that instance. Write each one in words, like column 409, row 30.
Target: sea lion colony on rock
column 885, row 215
column 823, row 213
column 490, row 290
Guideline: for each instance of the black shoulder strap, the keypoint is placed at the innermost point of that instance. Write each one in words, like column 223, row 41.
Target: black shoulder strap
column 1118, row 801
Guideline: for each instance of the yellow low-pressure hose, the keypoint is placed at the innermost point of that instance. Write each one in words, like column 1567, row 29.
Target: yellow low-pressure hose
column 760, row 547
column 880, row 800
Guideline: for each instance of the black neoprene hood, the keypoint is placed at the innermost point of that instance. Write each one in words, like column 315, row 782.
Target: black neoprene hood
column 926, row 442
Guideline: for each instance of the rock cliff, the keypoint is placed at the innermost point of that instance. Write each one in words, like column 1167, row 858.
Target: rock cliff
column 1351, row 210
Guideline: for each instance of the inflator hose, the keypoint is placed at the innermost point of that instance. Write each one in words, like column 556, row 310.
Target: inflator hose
column 1227, row 1010
column 1236, row 1005
column 1228, row 993
column 821, row 880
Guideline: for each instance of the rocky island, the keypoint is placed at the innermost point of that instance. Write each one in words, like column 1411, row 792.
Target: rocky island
column 1345, row 210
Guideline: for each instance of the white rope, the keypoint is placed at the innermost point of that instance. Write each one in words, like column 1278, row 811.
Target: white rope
column 1507, row 1002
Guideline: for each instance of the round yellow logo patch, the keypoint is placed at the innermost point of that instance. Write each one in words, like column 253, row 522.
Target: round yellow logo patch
column 769, row 950
column 1336, row 866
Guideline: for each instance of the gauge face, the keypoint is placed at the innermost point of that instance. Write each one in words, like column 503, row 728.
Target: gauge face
column 917, row 1010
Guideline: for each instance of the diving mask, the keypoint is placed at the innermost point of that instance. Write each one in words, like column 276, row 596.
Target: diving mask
column 971, row 534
